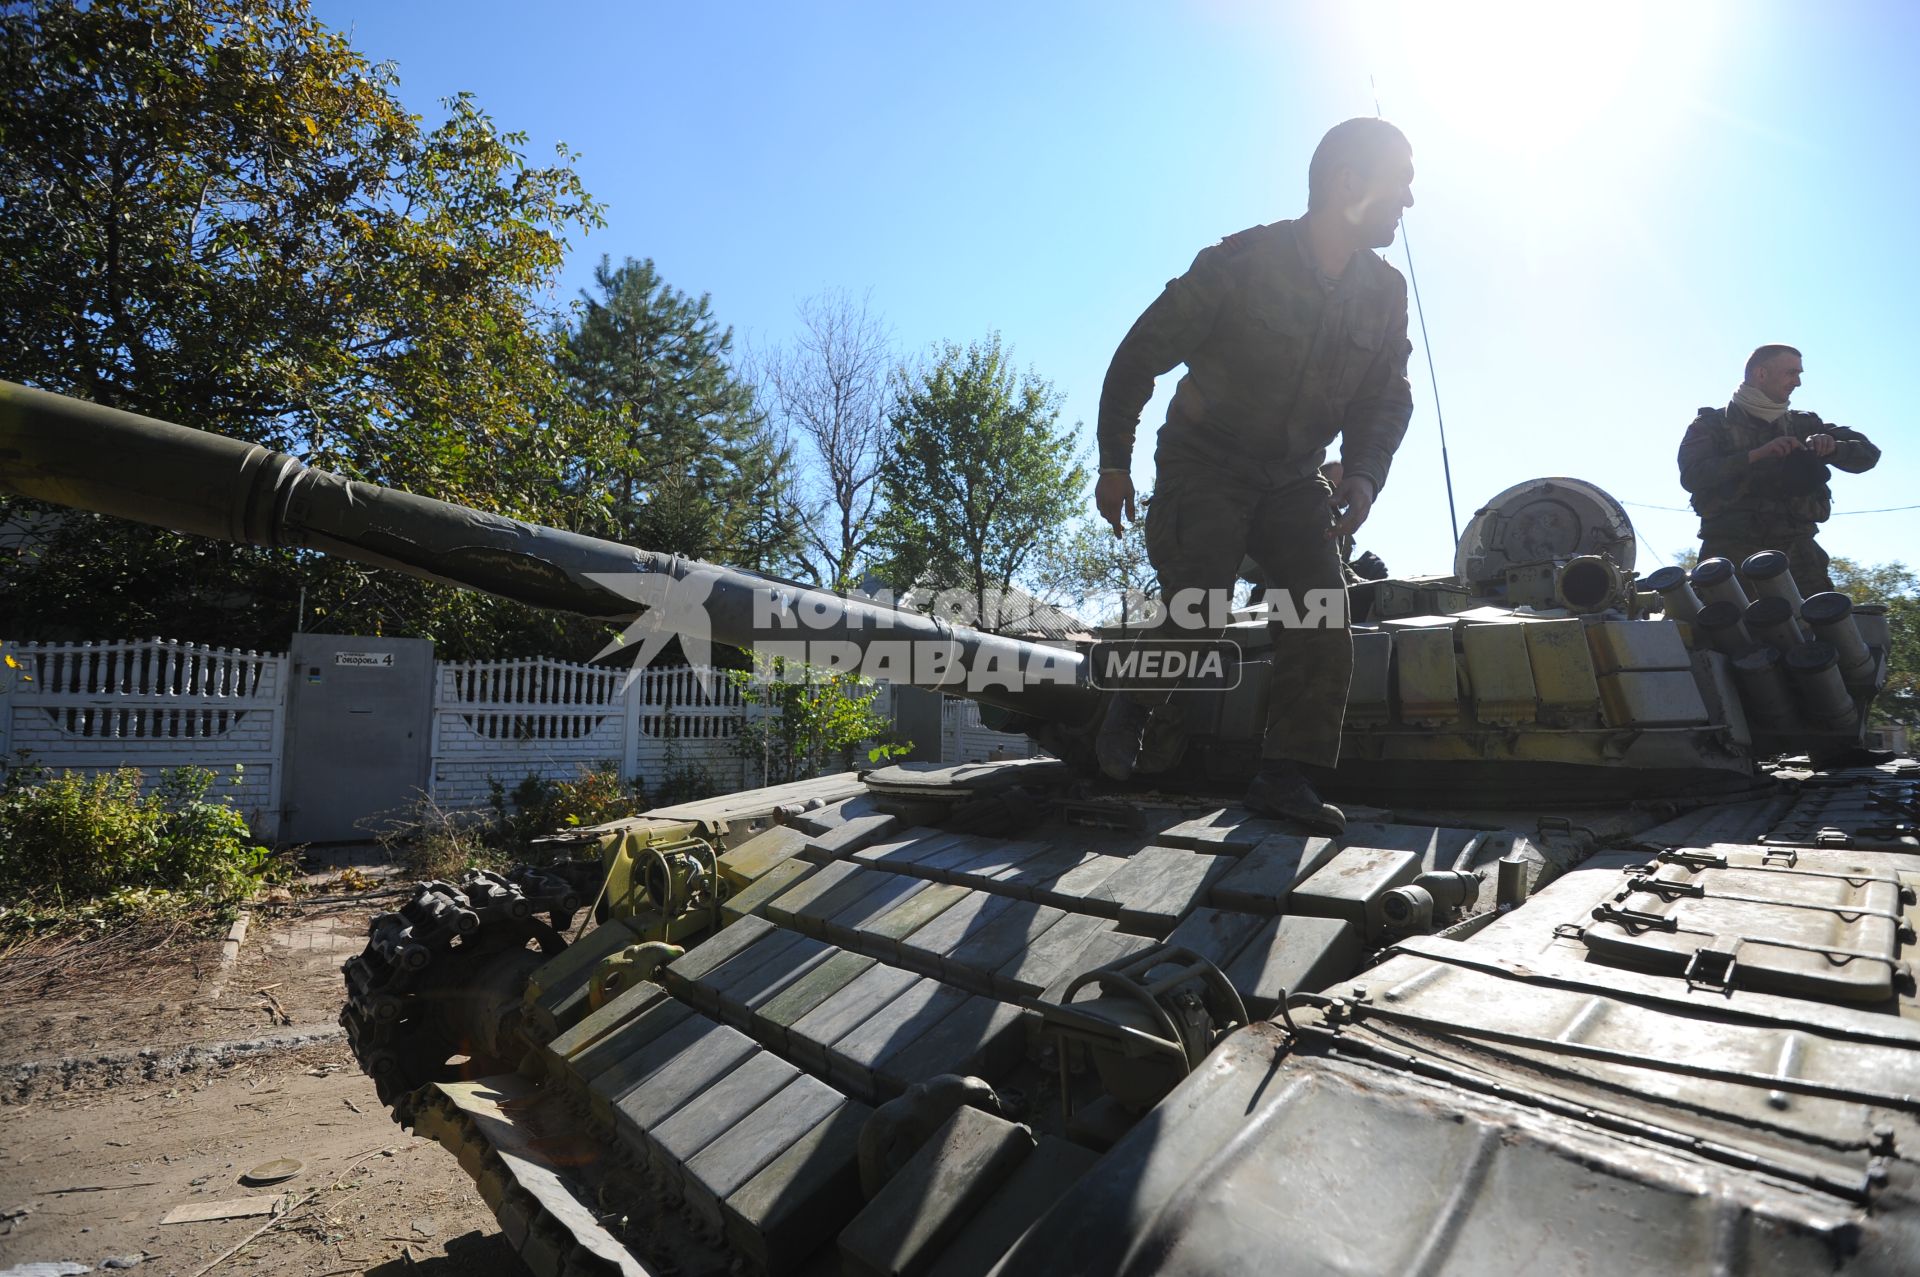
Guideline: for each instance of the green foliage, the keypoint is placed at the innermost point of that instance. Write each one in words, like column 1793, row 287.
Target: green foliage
column 1096, row 575
column 689, row 466
column 1894, row 586
column 810, row 722
column 538, row 806
column 682, row 783
column 980, row 473
column 438, row 842
column 75, row 846
column 219, row 213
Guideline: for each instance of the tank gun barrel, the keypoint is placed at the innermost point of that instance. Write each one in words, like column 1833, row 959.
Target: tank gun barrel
column 88, row 457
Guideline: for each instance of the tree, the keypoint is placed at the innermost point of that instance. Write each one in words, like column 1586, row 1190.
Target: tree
column 691, row 467
column 1894, row 587
column 1092, row 573
column 218, row 212
column 979, row 473
column 830, row 389
column 800, row 722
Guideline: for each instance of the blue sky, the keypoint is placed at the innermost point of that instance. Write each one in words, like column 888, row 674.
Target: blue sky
column 1615, row 203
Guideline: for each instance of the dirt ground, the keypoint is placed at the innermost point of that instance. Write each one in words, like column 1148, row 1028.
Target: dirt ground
column 128, row 1092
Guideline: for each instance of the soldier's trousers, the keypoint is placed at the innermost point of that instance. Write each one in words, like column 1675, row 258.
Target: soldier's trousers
column 1805, row 559
column 1201, row 522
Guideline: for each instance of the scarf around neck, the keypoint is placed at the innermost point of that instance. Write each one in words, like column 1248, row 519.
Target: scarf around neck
column 1757, row 403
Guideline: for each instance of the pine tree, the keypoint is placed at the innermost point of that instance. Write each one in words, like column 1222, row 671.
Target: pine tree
column 692, row 468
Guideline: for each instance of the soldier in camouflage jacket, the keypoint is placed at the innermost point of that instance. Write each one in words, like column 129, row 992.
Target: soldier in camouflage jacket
column 1758, row 470
column 1293, row 334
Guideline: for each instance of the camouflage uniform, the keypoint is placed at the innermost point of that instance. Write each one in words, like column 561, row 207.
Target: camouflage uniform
column 1280, row 361
column 1775, row 504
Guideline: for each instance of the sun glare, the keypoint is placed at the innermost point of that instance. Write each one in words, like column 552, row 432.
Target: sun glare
column 1528, row 77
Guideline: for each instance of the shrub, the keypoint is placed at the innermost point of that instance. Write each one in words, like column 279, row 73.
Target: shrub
column 439, row 842
column 77, row 846
column 810, row 722
column 538, row 806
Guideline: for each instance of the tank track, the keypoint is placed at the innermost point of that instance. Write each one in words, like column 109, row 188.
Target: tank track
column 442, row 975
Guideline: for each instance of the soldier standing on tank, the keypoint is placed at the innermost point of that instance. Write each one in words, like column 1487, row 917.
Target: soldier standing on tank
column 1293, row 334
column 1758, row 470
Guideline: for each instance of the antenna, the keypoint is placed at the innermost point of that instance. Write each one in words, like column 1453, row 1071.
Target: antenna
column 1433, row 378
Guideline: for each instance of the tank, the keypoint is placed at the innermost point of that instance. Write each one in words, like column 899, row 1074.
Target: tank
column 1611, row 969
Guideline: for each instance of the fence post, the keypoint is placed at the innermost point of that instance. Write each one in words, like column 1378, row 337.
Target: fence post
column 630, row 700
column 281, row 671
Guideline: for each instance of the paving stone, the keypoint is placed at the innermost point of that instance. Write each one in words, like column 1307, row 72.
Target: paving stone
column 1160, row 885
column 1266, row 876
column 852, row 1058
column 929, row 1200
column 756, row 1140
column 1293, row 954
column 717, row 1109
column 1053, row 1167
column 773, row 1018
column 751, row 899
column 1216, row 934
column 981, row 1037
column 676, row 1080
column 1027, row 973
column 860, row 998
column 802, row 1197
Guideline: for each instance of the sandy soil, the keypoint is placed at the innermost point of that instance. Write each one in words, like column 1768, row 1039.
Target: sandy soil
column 126, row 1093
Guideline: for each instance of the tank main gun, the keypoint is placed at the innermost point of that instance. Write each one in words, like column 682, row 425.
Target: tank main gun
column 85, row 456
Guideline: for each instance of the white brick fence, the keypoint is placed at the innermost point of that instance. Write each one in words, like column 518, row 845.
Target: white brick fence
column 96, row 706
column 505, row 720
column 156, row 705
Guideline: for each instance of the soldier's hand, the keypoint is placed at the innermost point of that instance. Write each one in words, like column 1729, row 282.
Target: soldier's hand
column 1354, row 499
column 1113, row 496
column 1822, row 445
column 1773, row 448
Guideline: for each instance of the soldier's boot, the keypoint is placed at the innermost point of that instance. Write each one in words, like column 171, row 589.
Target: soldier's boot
column 1117, row 746
column 1280, row 790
